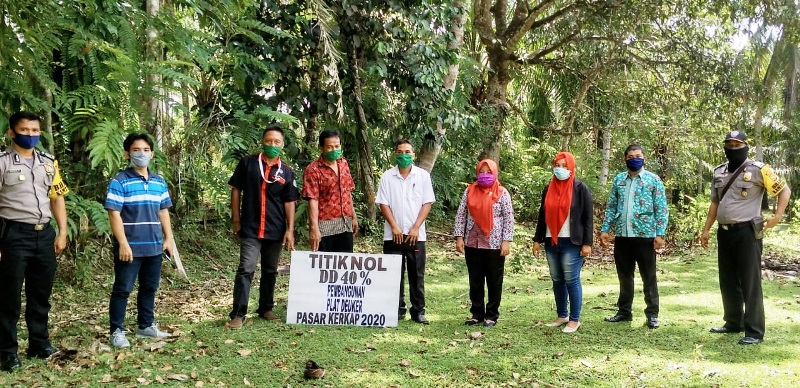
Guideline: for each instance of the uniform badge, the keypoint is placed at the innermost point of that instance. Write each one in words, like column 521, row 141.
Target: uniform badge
column 747, row 176
column 49, row 168
column 21, row 177
column 744, row 193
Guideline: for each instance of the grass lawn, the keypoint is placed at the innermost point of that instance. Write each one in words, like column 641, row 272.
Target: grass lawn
column 518, row 351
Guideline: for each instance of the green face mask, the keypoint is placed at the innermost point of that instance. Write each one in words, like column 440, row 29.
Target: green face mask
column 333, row 155
column 271, row 151
column 403, row 160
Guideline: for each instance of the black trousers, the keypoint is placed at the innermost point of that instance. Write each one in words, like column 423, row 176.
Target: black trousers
column 414, row 263
column 485, row 266
column 739, row 261
column 26, row 256
column 249, row 251
column 342, row 242
column 628, row 252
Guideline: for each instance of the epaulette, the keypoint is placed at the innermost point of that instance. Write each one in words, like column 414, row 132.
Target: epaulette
column 721, row 165
column 759, row 164
column 46, row 155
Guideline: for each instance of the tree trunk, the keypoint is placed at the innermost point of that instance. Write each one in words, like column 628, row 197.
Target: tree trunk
column 48, row 120
column 432, row 143
column 606, row 134
column 315, row 91
column 758, row 123
column 155, row 117
column 496, row 108
column 364, row 162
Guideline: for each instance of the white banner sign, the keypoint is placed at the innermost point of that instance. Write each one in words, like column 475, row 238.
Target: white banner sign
column 334, row 288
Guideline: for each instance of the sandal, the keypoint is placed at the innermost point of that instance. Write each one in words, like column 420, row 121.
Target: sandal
column 472, row 321
column 489, row 323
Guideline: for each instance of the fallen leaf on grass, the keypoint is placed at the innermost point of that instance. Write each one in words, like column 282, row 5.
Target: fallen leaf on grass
column 515, row 375
column 514, row 309
column 413, row 374
column 199, row 384
column 404, row 363
column 558, row 355
column 476, row 335
column 453, row 343
column 229, row 341
column 166, row 367
column 153, row 346
column 370, row 346
column 142, row 380
column 160, row 379
column 106, row 379
column 177, row 377
column 586, row 364
column 244, row 352
column 472, row 371
column 246, row 381
column 710, row 373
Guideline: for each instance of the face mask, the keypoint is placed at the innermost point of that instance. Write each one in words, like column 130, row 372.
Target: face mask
column 271, row 151
column 561, row 173
column 736, row 157
column 403, row 160
column 140, row 159
column 634, row 164
column 485, row 179
column 333, row 155
column 26, row 141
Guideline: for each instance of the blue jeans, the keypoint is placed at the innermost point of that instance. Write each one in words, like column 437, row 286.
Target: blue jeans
column 148, row 270
column 565, row 264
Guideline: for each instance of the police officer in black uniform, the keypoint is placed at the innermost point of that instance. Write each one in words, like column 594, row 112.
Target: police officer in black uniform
column 737, row 210
column 31, row 194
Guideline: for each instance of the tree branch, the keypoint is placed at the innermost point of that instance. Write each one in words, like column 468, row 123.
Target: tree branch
column 535, row 59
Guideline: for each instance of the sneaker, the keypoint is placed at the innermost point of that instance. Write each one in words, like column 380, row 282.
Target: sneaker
column 236, row 323
column 151, row 332
column 118, row 339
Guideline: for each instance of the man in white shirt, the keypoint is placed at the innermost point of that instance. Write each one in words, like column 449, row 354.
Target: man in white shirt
column 405, row 195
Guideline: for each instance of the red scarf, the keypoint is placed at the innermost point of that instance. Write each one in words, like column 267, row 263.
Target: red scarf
column 480, row 200
column 559, row 198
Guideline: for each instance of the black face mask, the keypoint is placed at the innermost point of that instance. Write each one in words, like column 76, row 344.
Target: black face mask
column 736, row 157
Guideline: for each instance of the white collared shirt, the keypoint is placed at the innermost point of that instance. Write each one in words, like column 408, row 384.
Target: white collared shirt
column 405, row 196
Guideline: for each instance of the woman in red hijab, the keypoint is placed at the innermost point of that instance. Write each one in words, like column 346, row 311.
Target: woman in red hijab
column 565, row 228
column 484, row 230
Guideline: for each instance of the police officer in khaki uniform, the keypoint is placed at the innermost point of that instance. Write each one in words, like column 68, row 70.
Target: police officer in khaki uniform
column 31, row 193
column 739, row 245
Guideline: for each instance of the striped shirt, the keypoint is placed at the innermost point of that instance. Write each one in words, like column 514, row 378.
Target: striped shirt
column 138, row 200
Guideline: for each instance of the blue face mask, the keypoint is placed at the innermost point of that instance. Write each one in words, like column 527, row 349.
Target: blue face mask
column 634, row 164
column 26, row 141
column 561, row 173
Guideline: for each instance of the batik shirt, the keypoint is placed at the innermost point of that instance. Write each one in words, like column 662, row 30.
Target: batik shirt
column 637, row 207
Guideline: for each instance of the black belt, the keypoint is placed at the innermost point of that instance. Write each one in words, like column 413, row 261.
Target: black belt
column 26, row 226
column 735, row 226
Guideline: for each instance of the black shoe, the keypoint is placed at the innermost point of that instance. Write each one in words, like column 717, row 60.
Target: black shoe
column 9, row 362
column 401, row 315
column 45, row 352
column 421, row 319
column 618, row 318
column 750, row 341
column 489, row 323
column 724, row 330
column 652, row 322
column 473, row 321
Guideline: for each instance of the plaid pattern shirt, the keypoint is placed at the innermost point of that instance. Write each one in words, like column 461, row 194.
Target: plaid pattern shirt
column 334, row 194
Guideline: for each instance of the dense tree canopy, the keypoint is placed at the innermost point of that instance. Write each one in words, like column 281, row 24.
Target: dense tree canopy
column 511, row 80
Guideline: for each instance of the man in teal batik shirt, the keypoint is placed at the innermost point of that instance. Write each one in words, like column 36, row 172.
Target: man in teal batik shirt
column 637, row 211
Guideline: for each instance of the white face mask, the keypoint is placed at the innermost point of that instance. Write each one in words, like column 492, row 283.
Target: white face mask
column 561, row 173
column 140, row 159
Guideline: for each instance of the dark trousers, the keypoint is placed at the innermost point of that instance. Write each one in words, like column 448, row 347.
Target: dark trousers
column 629, row 252
column 414, row 263
column 342, row 242
column 739, row 261
column 28, row 256
column 485, row 266
column 249, row 250
column 148, row 270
